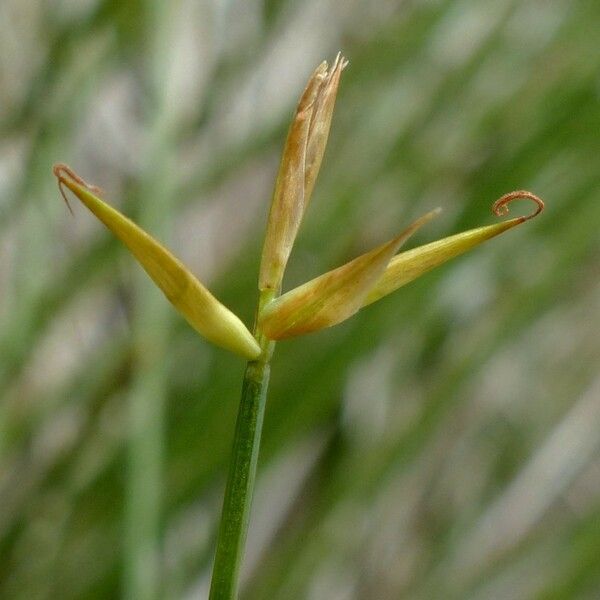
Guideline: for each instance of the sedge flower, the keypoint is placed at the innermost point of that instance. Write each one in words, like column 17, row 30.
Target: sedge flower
column 322, row 302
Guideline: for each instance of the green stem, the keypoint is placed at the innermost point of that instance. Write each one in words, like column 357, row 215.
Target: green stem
column 233, row 527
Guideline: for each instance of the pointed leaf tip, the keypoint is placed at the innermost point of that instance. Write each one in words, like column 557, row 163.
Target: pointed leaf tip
column 408, row 265
column 197, row 305
column 334, row 296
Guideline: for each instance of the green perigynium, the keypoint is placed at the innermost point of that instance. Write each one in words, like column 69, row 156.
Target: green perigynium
column 322, row 302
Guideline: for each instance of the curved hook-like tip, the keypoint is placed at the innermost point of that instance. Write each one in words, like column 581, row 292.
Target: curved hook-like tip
column 500, row 207
column 60, row 170
column 63, row 172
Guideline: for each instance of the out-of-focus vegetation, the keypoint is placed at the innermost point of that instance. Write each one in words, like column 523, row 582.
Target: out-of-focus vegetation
column 444, row 443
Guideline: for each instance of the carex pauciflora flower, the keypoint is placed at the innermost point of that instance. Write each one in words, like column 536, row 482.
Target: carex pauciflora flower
column 322, row 302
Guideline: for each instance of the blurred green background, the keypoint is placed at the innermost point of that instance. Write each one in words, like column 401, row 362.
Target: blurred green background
column 444, row 443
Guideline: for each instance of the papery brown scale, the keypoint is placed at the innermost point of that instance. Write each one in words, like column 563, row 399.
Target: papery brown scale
column 288, row 202
column 320, row 125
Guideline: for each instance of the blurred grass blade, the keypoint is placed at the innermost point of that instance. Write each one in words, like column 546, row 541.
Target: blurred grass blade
column 199, row 307
column 334, row 296
column 300, row 163
column 411, row 264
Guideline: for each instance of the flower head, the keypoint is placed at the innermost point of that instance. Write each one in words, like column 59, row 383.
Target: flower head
column 322, row 302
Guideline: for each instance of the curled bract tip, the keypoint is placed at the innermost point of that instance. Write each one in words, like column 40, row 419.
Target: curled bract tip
column 62, row 171
column 500, row 207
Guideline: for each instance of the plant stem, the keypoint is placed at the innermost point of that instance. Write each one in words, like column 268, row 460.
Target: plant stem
column 237, row 503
